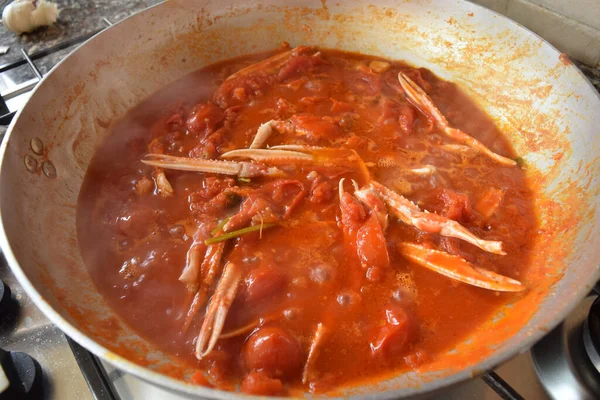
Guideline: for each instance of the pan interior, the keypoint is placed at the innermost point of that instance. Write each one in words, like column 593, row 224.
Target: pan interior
column 542, row 102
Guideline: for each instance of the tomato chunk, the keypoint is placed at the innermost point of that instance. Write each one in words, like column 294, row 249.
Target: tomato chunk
column 259, row 383
column 219, row 366
column 397, row 115
column 130, row 222
column 393, row 337
column 315, row 127
column 352, row 212
column 363, row 82
column 457, row 206
column 198, row 378
column 490, row 201
column 340, row 106
column 274, row 351
column 321, row 192
column 204, row 119
column 371, row 245
column 297, row 65
column 256, row 85
column 262, row 283
column 406, row 117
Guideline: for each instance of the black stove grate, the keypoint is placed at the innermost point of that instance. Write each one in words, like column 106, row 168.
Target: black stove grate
column 499, row 385
column 94, row 373
column 91, row 367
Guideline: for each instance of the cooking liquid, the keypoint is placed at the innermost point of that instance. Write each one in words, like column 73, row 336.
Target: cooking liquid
column 135, row 245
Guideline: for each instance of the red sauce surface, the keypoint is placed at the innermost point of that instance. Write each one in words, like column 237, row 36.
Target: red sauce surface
column 304, row 271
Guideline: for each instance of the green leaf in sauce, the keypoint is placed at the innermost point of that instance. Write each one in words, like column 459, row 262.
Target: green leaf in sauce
column 246, row 180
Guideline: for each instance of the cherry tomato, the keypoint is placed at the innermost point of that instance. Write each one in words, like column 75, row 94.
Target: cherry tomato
column 274, row 351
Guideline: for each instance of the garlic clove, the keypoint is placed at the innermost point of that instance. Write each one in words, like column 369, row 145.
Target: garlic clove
column 26, row 15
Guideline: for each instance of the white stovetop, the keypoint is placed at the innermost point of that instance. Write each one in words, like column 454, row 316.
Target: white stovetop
column 518, row 372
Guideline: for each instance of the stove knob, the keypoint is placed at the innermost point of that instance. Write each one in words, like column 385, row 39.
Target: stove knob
column 20, row 376
column 5, row 298
column 591, row 334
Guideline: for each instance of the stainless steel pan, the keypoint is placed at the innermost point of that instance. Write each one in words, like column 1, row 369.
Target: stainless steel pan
column 534, row 94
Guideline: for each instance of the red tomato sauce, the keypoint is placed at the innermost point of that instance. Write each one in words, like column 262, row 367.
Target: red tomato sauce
column 321, row 264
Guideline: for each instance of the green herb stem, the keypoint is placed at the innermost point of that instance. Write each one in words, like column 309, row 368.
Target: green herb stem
column 220, row 226
column 520, row 162
column 239, row 232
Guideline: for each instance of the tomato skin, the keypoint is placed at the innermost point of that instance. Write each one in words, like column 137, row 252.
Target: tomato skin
column 274, row 351
column 259, row 383
column 394, row 336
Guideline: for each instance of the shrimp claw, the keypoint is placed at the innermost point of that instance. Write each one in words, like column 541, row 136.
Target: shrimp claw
column 458, row 269
column 241, row 169
column 411, row 214
column 423, row 102
column 217, row 310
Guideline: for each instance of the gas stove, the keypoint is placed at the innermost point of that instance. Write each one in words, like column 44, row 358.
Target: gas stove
column 40, row 362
